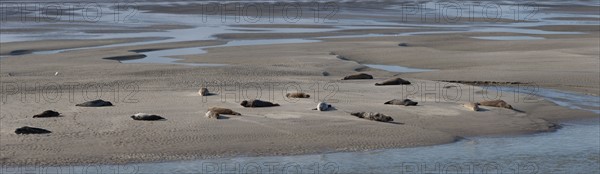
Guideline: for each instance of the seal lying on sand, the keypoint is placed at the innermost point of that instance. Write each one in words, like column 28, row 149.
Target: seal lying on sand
column 257, row 104
column 405, row 102
column 203, row 92
column 215, row 112
column 358, row 76
column 322, row 106
column 31, row 130
column 394, row 81
column 373, row 116
column 95, row 103
column 48, row 113
column 297, row 95
column 496, row 103
column 472, row 106
column 146, row 117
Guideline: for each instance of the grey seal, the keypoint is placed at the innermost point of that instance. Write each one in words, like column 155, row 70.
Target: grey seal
column 322, row 106
column 95, row 103
column 373, row 116
column 146, row 117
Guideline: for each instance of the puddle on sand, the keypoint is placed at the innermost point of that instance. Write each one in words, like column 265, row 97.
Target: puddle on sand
column 509, row 38
column 401, row 69
column 162, row 56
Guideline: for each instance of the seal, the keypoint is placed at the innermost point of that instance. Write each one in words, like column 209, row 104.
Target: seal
column 146, row 117
column 322, row 106
column 373, row 116
column 393, row 81
column 215, row 112
column 405, row 102
column 31, row 130
column 203, row 92
column 472, row 106
column 496, row 103
column 297, row 95
column 95, row 103
column 48, row 113
column 359, row 76
column 257, row 104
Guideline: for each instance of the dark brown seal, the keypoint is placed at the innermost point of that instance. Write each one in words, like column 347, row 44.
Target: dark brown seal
column 394, row 81
column 46, row 114
column 405, row 102
column 31, row 130
column 257, row 104
column 358, row 77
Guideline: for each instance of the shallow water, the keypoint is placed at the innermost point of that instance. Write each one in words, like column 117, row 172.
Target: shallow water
column 509, row 38
column 162, row 56
column 394, row 68
column 572, row 149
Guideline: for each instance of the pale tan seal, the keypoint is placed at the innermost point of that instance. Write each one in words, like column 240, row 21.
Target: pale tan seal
column 472, row 106
column 215, row 112
column 203, row 92
column 358, row 76
column 496, row 103
column 297, row 95
column 393, row 81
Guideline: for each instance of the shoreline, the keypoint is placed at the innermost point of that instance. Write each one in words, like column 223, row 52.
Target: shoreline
column 190, row 159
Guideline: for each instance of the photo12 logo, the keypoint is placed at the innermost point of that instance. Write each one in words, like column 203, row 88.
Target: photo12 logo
column 73, row 12
column 71, row 92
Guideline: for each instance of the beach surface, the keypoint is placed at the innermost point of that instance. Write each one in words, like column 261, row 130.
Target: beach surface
column 33, row 83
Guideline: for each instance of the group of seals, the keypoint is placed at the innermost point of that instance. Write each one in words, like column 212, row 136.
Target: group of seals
column 216, row 112
column 405, row 102
column 95, row 103
column 146, row 117
column 373, row 116
column 46, row 114
column 257, row 104
column 297, row 95
column 31, row 130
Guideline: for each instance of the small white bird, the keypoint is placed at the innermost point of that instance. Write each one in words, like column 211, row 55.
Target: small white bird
column 56, row 73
